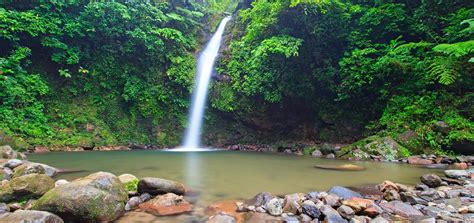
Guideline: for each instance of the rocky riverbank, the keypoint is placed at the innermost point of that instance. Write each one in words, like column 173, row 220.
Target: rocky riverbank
column 28, row 192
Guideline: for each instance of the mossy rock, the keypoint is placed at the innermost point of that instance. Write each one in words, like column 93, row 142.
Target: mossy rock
column 129, row 181
column 31, row 167
column 31, row 186
column 95, row 198
column 25, row 169
column 385, row 147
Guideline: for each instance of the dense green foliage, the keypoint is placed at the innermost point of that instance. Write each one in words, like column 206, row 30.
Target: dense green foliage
column 87, row 73
column 384, row 65
column 97, row 72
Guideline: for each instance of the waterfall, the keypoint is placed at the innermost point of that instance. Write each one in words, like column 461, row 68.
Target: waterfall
column 205, row 65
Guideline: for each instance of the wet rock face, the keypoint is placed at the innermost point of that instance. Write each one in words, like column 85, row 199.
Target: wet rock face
column 97, row 197
column 167, row 204
column 155, row 186
column 30, row 216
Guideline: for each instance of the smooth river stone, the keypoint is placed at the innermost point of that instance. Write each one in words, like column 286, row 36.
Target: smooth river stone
column 156, row 186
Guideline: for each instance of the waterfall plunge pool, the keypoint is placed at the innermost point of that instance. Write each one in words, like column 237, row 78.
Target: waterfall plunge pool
column 223, row 175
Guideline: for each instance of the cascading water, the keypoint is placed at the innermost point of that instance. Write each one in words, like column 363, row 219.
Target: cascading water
column 205, row 65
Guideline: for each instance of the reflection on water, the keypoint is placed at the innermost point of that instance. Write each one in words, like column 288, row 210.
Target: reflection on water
column 231, row 175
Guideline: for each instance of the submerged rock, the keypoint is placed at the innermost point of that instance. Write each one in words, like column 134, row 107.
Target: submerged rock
column 345, row 167
column 167, row 204
column 96, row 197
column 30, row 216
column 157, row 186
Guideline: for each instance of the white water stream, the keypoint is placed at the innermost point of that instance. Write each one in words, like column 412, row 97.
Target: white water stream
column 205, row 65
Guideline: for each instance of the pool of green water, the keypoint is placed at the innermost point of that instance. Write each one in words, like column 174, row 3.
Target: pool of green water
column 220, row 175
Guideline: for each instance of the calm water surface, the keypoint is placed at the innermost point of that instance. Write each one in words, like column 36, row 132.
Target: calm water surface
column 230, row 175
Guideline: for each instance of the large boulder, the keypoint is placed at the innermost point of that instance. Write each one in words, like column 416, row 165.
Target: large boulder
column 97, row 197
column 167, row 204
column 385, row 147
column 31, row 167
column 31, row 185
column 157, row 186
column 30, row 216
column 6, row 152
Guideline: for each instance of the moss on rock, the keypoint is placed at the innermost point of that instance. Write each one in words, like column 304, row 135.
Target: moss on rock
column 97, row 197
column 31, row 186
column 385, row 147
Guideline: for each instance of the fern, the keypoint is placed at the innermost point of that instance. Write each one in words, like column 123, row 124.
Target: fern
column 442, row 70
column 459, row 49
